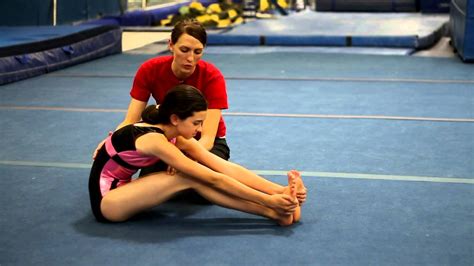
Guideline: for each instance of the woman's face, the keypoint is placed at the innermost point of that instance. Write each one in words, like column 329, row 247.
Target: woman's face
column 187, row 51
column 190, row 126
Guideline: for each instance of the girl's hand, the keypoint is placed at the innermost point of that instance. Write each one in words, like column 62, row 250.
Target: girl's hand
column 301, row 195
column 283, row 204
column 171, row 170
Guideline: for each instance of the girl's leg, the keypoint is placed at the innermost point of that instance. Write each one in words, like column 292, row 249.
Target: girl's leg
column 253, row 180
column 241, row 174
column 228, row 201
column 149, row 191
column 142, row 193
column 257, row 182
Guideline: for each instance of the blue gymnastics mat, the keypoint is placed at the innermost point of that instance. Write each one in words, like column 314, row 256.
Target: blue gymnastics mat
column 381, row 191
column 31, row 51
column 309, row 28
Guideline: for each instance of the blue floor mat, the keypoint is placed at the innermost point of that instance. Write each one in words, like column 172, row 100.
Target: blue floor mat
column 353, row 216
column 365, row 222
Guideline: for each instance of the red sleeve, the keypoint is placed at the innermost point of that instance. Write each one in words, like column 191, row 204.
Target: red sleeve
column 140, row 89
column 215, row 89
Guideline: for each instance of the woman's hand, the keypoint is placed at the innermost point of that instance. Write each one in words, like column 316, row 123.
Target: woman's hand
column 94, row 155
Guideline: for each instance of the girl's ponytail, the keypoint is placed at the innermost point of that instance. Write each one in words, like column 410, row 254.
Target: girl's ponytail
column 182, row 100
column 151, row 114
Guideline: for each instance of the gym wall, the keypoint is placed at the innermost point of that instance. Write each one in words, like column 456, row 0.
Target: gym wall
column 40, row 12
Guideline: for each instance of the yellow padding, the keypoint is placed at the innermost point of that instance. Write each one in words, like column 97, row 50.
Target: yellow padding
column 214, row 8
column 165, row 21
column 197, row 5
column 282, row 3
column 214, row 17
column 232, row 13
column 203, row 18
column 239, row 20
column 224, row 23
column 264, row 5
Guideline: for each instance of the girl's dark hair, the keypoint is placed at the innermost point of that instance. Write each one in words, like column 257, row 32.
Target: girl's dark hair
column 182, row 100
column 191, row 27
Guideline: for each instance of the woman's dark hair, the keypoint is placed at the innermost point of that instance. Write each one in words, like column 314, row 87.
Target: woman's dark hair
column 182, row 100
column 191, row 27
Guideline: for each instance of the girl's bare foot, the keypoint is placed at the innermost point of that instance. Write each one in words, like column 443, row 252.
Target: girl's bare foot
column 284, row 220
column 292, row 184
column 300, row 188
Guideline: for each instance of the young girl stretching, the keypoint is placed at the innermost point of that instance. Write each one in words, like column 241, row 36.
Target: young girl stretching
column 166, row 133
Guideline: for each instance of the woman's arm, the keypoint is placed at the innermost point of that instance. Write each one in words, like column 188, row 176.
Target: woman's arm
column 157, row 145
column 233, row 170
column 134, row 112
column 209, row 128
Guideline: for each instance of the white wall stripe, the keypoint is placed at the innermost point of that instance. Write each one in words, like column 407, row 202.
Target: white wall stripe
column 324, row 116
column 454, row 180
column 62, row 109
column 320, row 116
column 374, row 176
column 332, row 79
column 356, row 79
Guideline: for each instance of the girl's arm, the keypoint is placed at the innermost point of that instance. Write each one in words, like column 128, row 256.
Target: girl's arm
column 236, row 171
column 157, row 145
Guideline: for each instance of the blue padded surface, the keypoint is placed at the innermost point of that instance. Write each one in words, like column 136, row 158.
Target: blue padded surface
column 216, row 39
column 385, row 41
column 367, row 5
column 467, row 6
column 462, row 28
column 307, row 49
column 306, row 40
column 434, row 6
column 149, row 17
column 20, row 35
column 338, row 29
column 31, row 51
column 364, row 221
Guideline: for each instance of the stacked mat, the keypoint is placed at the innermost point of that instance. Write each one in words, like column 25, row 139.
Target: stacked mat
column 341, row 29
column 434, row 6
column 367, row 5
column 462, row 28
column 31, row 51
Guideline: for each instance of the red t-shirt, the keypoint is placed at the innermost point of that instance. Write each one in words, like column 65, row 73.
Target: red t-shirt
column 155, row 78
